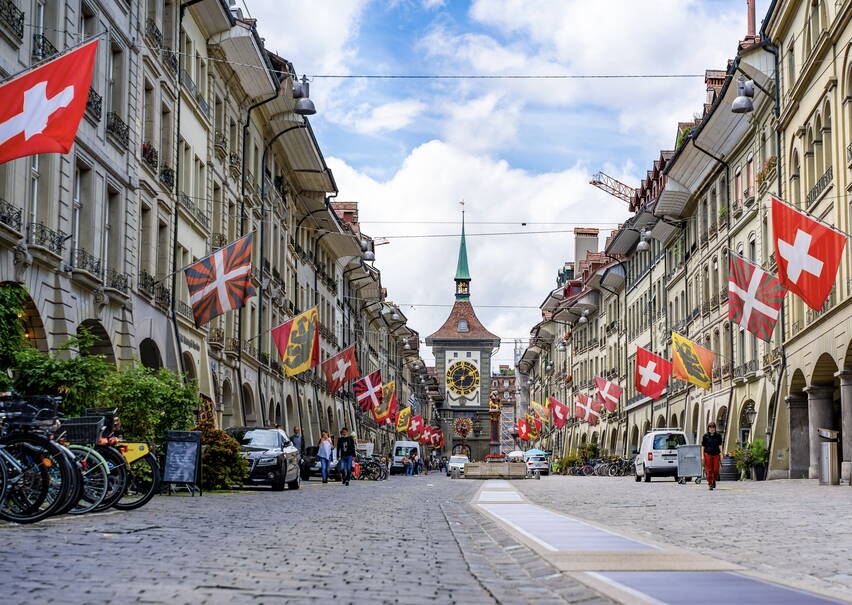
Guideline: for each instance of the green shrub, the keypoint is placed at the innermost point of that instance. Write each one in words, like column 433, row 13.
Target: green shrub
column 759, row 453
column 222, row 465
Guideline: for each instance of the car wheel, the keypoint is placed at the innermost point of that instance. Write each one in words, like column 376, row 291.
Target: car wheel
column 296, row 483
column 647, row 476
column 306, row 475
column 278, row 484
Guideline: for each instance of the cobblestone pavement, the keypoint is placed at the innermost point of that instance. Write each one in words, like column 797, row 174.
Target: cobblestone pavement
column 406, row 540
column 792, row 530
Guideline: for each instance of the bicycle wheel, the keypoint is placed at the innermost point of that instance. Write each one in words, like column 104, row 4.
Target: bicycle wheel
column 39, row 478
column 95, row 479
column 75, row 488
column 143, row 481
column 4, row 475
column 117, row 467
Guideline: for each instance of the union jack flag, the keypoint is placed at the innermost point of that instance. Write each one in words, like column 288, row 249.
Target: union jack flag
column 220, row 282
column 368, row 391
column 754, row 298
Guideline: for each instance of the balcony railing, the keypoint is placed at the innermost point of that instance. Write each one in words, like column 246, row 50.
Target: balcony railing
column 95, row 104
column 232, row 345
column 216, row 338
column 820, row 186
column 748, row 196
column 150, row 156
column 723, row 294
column 184, row 308
column 170, row 59
column 829, row 303
column 42, row 48
column 203, row 104
column 11, row 215
column 12, row 18
column 146, row 283
column 196, row 212
column 118, row 128
column 220, row 143
column 85, row 261
column 234, row 163
column 248, row 347
column 849, row 153
column 218, row 240
column 118, row 281
column 726, row 369
column 187, row 81
column 705, row 307
column 167, row 176
column 39, row 234
column 153, row 33
column 162, row 295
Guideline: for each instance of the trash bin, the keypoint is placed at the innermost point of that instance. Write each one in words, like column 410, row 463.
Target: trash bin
column 688, row 462
column 829, row 465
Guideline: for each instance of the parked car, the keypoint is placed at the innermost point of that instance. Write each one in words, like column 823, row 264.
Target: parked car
column 657, row 455
column 311, row 464
column 457, row 462
column 538, row 463
column 273, row 459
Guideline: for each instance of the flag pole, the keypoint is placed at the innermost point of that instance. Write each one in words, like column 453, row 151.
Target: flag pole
column 58, row 55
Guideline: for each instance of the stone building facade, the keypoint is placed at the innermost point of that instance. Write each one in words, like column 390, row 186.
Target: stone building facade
column 178, row 154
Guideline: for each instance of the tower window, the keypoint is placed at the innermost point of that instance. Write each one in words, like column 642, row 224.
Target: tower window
column 469, row 354
column 463, row 327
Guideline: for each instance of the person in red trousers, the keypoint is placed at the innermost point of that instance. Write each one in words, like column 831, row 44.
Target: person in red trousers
column 711, row 452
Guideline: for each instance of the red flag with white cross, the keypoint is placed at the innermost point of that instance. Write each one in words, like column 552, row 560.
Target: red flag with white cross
column 559, row 412
column 808, row 253
column 42, row 108
column 586, row 409
column 652, row 373
column 754, row 297
column 221, row 282
column 415, row 427
column 608, row 393
column 426, row 435
column 523, row 430
column 368, row 391
column 340, row 369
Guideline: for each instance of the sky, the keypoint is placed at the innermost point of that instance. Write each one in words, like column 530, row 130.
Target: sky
column 518, row 153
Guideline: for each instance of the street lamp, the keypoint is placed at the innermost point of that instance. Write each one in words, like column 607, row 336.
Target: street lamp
column 745, row 93
column 643, row 245
column 302, row 92
column 750, row 415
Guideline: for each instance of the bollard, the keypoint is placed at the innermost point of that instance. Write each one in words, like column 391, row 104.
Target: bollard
column 454, row 474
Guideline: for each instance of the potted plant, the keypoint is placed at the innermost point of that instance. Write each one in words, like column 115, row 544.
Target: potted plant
column 743, row 460
column 759, row 457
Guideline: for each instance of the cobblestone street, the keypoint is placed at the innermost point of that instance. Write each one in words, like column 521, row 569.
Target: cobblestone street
column 789, row 529
column 406, row 540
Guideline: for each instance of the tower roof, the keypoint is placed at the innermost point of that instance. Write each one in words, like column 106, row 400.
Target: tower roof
column 462, row 272
column 462, row 316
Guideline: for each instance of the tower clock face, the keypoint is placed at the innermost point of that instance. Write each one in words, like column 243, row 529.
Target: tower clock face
column 463, row 378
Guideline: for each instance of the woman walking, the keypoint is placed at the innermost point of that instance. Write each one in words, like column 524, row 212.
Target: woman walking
column 324, row 453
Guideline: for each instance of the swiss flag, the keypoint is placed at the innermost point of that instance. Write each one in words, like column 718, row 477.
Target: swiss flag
column 415, row 427
column 652, row 373
column 42, row 108
column 340, row 369
column 608, row 393
column 426, row 435
column 807, row 252
column 559, row 412
column 523, row 430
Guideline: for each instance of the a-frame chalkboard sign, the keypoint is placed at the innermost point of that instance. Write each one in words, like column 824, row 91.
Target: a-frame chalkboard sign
column 183, row 459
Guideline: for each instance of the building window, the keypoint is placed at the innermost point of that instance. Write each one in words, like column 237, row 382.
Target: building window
column 463, row 327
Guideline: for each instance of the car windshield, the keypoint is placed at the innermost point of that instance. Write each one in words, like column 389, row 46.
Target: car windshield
column 260, row 439
column 460, row 459
column 669, row 442
column 403, row 450
column 536, row 458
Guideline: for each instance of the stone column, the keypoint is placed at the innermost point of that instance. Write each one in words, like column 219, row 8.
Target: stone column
column 797, row 411
column 845, row 377
column 820, row 416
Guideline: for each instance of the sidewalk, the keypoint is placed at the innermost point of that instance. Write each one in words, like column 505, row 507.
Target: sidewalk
column 790, row 529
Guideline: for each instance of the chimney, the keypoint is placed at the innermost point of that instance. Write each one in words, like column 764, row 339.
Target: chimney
column 585, row 241
column 751, row 32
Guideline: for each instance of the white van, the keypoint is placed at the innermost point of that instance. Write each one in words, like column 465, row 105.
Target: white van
column 657, row 457
column 401, row 449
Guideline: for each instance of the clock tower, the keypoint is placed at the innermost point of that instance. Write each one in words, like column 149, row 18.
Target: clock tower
column 463, row 348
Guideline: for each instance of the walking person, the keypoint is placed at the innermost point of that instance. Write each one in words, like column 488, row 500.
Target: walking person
column 409, row 464
column 345, row 454
column 298, row 440
column 324, row 454
column 711, row 453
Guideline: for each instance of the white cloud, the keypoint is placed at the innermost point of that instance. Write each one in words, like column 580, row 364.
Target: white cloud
column 387, row 117
column 506, row 270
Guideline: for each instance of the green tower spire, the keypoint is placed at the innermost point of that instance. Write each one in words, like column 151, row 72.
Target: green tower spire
column 462, row 272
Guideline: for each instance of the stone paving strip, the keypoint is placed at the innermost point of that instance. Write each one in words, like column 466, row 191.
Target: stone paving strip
column 791, row 529
column 655, row 574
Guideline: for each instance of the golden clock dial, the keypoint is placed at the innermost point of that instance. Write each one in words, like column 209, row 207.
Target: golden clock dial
column 463, row 378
